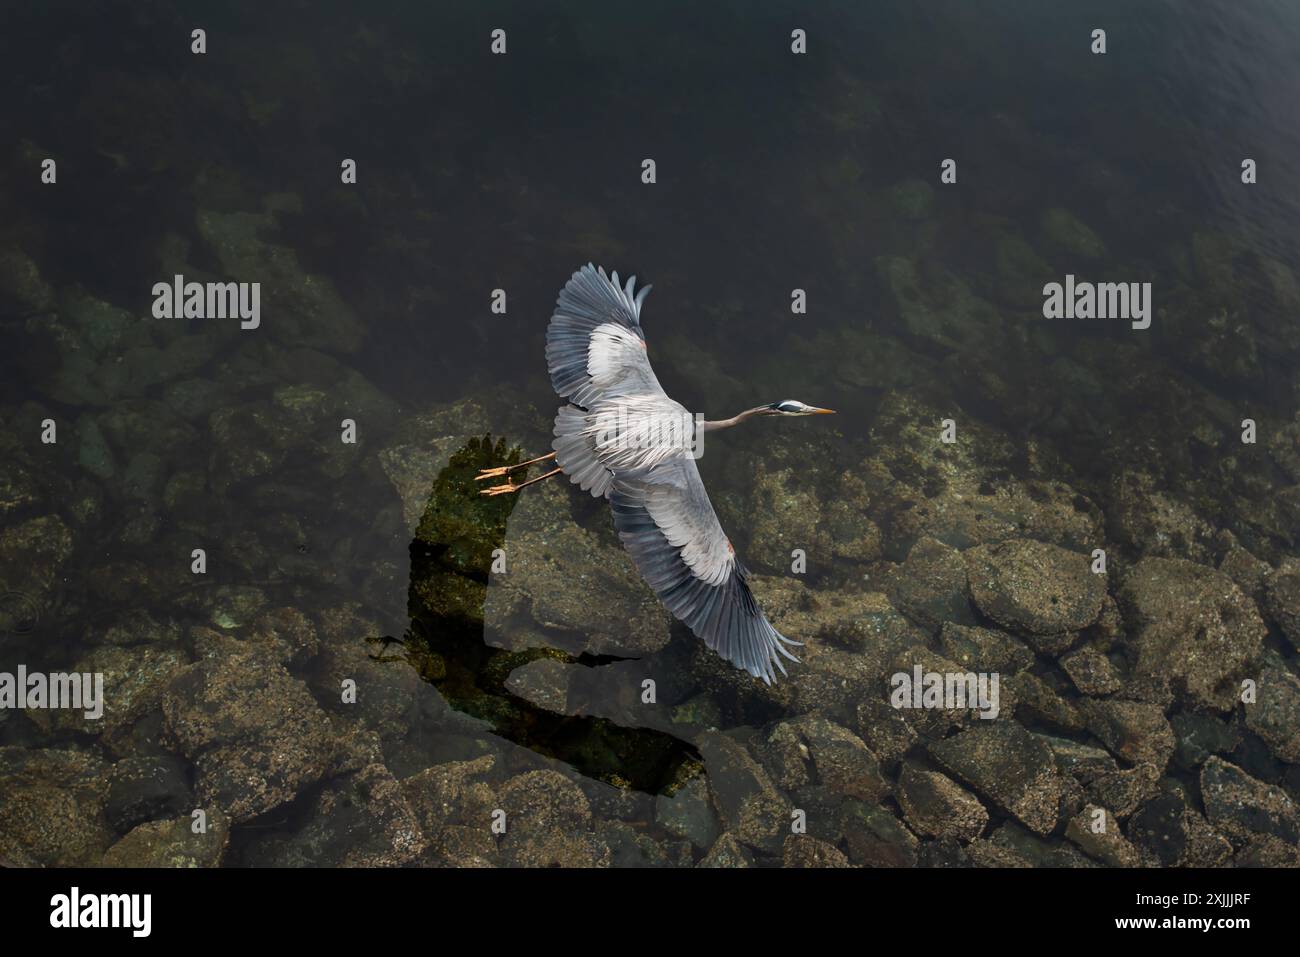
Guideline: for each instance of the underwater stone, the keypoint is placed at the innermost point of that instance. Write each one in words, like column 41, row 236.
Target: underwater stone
column 1034, row 587
column 1282, row 599
column 936, row 806
column 784, row 514
column 875, row 837
column 1109, row 846
column 913, row 199
column 134, row 680
column 1194, row 626
column 804, row 850
column 145, row 788
column 687, row 813
column 984, row 649
column 1065, row 230
column 1091, row 672
column 1275, row 715
column 255, row 734
column 1199, row 735
column 300, row 308
column 548, row 823
column 840, row 759
column 172, row 843
column 1083, row 762
column 32, row 554
column 1161, row 827
column 93, row 453
column 453, row 794
column 22, row 289
column 930, row 585
column 733, row 775
column 52, row 814
column 554, row 566
column 727, row 852
column 1122, row 791
column 1009, row 765
column 360, row 819
column 1241, row 804
column 1132, row 730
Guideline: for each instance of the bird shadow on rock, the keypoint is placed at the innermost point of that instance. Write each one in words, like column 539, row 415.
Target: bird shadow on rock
column 538, row 690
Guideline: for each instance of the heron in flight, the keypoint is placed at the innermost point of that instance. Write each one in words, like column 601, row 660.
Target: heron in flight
column 596, row 355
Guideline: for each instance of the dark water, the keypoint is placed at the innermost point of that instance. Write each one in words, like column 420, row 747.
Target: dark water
column 775, row 172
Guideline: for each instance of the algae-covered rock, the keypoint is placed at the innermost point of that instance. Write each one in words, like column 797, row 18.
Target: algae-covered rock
column 1241, row 805
column 297, row 307
column 1282, row 599
column 1072, row 236
column 804, row 850
column 1135, row 731
column 1193, row 626
column 255, row 734
column 52, row 811
column 1034, row 587
column 1098, row 835
column 936, row 806
column 361, row 819
column 1275, row 714
column 548, row 823
column 172, row 843
column 1016, row 770
column 553, row 568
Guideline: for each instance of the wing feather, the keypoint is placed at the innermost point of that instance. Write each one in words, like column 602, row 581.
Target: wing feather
column 594, row 344
column 666, row 523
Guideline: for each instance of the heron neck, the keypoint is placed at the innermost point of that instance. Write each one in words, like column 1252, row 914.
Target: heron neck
column 714, row 425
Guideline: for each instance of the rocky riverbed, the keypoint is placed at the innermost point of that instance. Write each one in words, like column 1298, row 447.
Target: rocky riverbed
column 318, row 651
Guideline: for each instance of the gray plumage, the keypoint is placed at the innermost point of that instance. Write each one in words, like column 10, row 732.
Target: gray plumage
column 596, row 355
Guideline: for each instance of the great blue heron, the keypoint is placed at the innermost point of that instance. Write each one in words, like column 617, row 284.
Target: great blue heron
column 621, row 437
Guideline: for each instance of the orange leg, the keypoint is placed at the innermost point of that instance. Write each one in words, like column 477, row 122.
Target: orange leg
column 510, row 487
column 507, row 469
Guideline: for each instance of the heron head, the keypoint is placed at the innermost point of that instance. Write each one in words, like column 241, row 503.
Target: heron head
column 793, row 407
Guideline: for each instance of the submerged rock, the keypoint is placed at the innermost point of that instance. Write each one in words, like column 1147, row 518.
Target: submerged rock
column 836, row 757
column 145, row 788
column 802, row 850
column 936, row 806
column 52, row 811
column 1133, row 730
column 1099, row 836
column 548, row 823
column 1009, row 765
column 172, row 843
column 1275, row 715
column 1034, row 587
column 255, row 734
column 298, row 308
column 1066, row 231
column 1242, row 805
column 360, row 819
column 1282, row 599
column 1193, row 626
column 554, row 566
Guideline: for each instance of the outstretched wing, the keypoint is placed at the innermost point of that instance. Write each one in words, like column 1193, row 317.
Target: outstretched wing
column 667, row 524
column 594, row 344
